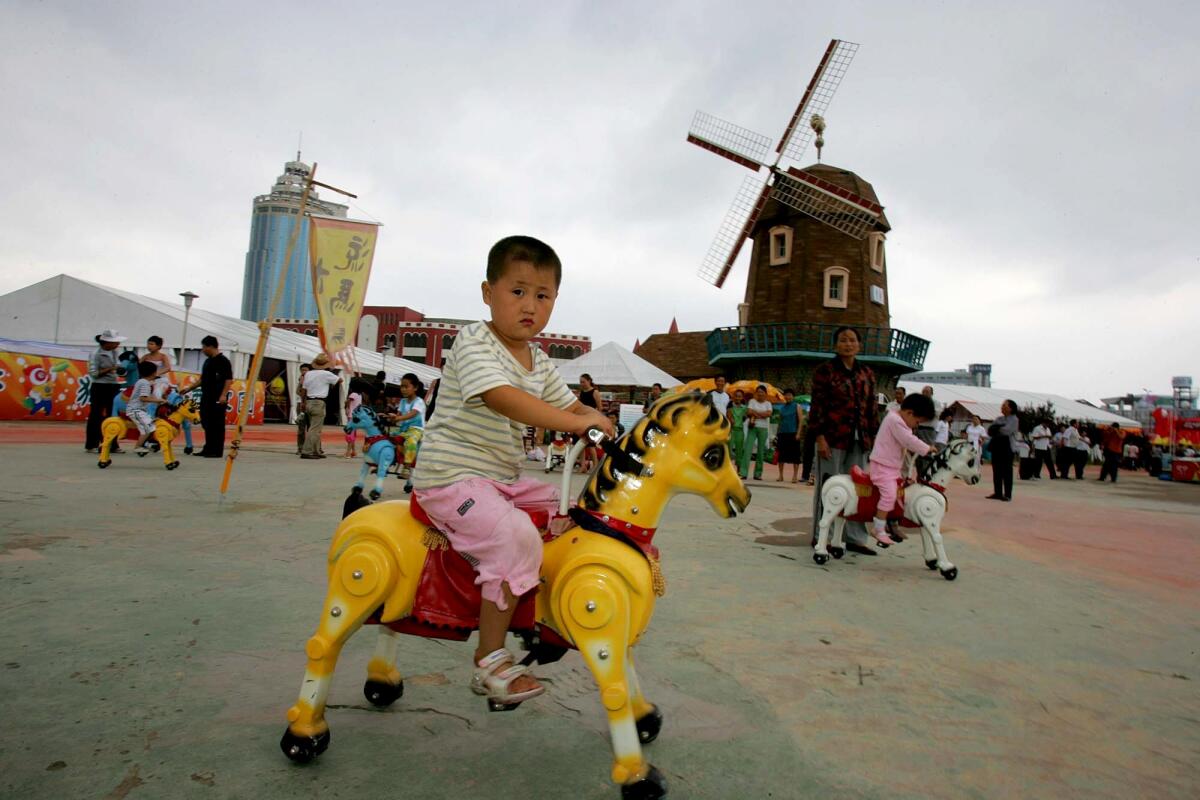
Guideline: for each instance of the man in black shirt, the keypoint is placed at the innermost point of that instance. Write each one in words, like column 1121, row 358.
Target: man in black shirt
column 215, row 378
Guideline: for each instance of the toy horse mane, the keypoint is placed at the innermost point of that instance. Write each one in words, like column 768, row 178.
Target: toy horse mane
column 664, row 417
column 928, row 466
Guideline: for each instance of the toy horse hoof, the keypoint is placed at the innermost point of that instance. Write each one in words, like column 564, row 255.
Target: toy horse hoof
column 187, row 451
column 651, row 787
column 376, row 494
column 820, row 558
column 303, row 749
column 950, row 574
column 649, row 726
column 931, row 563
column 408, row 488
column 382, row 694
column 837, row 552
column 496, row 705
column 103, row 464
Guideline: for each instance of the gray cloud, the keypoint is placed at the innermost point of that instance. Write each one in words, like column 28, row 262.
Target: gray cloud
column 1035, row 160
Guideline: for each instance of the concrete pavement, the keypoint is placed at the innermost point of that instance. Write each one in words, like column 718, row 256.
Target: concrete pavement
column 153, row 639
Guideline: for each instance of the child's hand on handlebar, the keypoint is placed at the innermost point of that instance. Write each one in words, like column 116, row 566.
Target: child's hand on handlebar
column 591, row 418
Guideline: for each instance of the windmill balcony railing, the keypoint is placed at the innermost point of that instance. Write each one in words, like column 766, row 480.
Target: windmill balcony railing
column 882, row 346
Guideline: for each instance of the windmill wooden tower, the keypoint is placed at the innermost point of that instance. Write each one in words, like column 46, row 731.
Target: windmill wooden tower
column 818, row 231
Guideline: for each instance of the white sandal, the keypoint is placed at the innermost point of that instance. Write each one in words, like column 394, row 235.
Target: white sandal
column 492, row 679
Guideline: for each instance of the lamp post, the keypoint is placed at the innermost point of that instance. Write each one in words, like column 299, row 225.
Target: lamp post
column 188, row 297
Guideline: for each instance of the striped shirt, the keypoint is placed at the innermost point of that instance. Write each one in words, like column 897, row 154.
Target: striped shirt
column 465, row 438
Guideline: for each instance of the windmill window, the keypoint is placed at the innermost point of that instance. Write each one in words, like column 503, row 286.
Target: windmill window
column 837, row 281
column 877, row 295
column 875, row 241
column 779, row 241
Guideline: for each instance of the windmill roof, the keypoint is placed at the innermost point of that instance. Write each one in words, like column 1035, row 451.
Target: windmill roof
column 849, row 181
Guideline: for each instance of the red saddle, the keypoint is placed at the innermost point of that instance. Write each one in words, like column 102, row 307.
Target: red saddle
column 447, row 602
column 868, row 499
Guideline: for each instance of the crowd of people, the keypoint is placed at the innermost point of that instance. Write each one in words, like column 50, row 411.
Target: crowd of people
column 140, row 385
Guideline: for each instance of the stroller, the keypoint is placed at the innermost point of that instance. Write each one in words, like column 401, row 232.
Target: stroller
column 556, row 452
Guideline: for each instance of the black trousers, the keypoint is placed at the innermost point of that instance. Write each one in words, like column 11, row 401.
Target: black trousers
column 810, row 451
column 1066, row 457
column 102, row 396
column 1112, row 463
column 1043, row 457
column 1002, row 473
column 1081, row 460
column 212, row 418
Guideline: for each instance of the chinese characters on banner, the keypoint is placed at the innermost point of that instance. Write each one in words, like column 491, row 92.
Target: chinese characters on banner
column 341, row 252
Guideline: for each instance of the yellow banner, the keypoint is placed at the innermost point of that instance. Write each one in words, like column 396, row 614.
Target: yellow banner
column 341, row 252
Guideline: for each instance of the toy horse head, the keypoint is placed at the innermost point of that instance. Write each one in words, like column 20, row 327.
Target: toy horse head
column 363, row 418
column 958, row 458
column 680, row 447
column 188, row 409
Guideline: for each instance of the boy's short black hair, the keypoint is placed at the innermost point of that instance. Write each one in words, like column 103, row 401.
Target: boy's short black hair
column 146, row 369
column 155, row 339
column 305, row 366
column 522, row 248
column 920, row 406
column 209, row 341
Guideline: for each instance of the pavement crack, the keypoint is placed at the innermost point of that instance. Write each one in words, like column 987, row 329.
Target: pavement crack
column 421, row 710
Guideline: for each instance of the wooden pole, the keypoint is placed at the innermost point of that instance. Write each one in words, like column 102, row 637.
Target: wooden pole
column 264, row 331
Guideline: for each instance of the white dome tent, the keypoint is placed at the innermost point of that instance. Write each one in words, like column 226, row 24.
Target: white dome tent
column 64, row 310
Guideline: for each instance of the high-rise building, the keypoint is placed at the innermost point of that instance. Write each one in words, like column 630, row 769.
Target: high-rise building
column 270, row 227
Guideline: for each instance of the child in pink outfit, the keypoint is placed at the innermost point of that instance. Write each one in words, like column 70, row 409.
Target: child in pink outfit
column 887, row 457
column 495, row 382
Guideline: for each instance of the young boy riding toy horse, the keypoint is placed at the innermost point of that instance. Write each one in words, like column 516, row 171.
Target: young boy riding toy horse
column 494, row 383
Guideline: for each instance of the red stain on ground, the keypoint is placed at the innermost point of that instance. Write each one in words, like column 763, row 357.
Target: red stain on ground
column 1076, row 526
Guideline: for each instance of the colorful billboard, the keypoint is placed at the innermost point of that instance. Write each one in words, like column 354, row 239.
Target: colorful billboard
column 40, row 388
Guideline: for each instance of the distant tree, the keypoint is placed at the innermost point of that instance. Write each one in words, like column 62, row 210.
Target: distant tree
column 1029, row 416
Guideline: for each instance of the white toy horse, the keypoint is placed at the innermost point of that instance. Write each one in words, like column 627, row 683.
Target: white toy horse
column 923, row 505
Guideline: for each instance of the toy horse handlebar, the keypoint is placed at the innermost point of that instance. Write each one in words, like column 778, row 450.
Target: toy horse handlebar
column 622, row 461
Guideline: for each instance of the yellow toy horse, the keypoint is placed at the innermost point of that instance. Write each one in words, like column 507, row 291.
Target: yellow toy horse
column 598, row 586
column 165, row 431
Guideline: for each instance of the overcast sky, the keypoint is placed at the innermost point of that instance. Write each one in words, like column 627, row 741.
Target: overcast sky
column 1037, row 160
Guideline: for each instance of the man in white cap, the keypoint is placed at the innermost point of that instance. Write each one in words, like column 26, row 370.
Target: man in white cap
column 105, row 384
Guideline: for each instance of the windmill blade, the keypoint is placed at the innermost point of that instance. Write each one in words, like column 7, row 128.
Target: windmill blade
column 738, row 222
column 816, row 97
column 826, row 202
column 740, row 145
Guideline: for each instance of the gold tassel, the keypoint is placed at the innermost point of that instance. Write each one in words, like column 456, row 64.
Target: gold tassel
column 657, row 579
column 434, row 539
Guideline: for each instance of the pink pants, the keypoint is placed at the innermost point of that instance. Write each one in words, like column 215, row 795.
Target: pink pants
column 885, row 479
column 481, row 519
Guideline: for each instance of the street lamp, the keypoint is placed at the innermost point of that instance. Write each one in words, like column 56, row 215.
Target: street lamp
column 188, row 297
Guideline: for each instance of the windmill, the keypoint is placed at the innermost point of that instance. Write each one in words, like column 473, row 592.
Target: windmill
column 826, row 202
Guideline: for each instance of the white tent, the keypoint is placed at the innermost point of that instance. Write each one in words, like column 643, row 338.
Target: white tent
column 68, row 311
column 985, row 401
column 613, row 365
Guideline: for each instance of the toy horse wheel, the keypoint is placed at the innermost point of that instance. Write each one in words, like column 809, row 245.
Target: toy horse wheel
column 103, row 464
column 173, row 465
column 303, row 749
column 187, row 451
column 382, row 695
column 651, row 787
column 649, row 726
column 820, row 558
column 837, row 552
column 931, row 563
column 950, row 574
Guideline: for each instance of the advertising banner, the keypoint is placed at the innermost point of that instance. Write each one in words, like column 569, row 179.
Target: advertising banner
column 41, row 388
column 341, row 252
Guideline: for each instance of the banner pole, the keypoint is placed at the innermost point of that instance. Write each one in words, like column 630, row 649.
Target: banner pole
column 264, row 331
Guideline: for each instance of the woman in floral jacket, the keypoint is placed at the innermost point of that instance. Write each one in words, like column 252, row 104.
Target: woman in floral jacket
column 843, row 420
